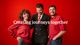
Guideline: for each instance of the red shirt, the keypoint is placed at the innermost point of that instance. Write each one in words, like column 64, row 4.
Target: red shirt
column 21, row 30
column 54, row 29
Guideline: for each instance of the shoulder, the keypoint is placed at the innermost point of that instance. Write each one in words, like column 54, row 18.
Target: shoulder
column 34, row 15
column 59, row 17
column 46, row 15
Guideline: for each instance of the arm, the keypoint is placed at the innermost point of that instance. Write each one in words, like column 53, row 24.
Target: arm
column 59, row 35
column 12, row 29
column 14, row 25
column 62, row 30
column 32, row 19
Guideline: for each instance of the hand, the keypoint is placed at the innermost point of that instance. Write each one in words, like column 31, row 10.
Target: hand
column 54, row 38
column 18, row 38
column 48, row 36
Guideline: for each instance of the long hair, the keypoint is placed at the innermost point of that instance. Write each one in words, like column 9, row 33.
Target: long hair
column 23, row 12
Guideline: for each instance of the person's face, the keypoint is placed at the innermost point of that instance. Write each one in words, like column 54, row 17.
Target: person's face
column 25, row 16
column 52, row 10
column 39, row 10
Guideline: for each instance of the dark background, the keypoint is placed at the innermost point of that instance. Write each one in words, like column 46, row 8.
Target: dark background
column 67, row 9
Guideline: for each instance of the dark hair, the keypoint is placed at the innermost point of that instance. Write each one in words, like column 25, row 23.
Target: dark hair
column 23, row 12
column 52, row 6
column 39, row 5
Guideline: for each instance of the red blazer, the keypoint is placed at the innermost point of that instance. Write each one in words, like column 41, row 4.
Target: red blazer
column 21, row 30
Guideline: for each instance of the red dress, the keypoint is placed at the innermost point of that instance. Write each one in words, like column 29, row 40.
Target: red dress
column 21, row 30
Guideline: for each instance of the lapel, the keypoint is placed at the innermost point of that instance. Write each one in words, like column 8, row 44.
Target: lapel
column 36, row 17
column 43, row 17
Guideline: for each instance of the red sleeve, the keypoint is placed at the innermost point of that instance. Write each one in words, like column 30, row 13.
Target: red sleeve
column 12, row 29
column 61, row 25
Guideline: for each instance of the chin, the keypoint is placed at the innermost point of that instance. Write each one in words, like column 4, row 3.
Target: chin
column 51, row 14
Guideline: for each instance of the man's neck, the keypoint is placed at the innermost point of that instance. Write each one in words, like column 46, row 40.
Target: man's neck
column 40, row 13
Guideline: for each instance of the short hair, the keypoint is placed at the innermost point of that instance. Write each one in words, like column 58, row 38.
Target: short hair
column 23, row 12
column 39, row 5
column 52, row 6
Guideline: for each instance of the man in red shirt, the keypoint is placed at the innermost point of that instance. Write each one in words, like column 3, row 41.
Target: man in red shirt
column 55, row 30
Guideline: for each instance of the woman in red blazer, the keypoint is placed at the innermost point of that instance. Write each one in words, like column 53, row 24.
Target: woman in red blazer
column 21, row 29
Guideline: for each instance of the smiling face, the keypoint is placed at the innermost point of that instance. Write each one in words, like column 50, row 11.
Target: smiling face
column 39, row 8
column 52, row 10
column 25, row 16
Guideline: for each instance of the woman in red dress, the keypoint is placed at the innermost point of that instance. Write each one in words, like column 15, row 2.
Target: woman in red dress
column 21, row 30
